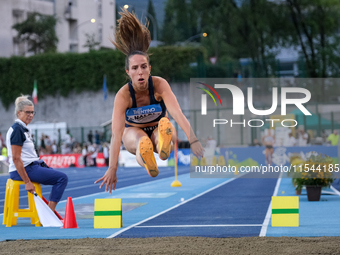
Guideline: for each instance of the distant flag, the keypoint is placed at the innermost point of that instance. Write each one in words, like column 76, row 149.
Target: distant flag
column 104, row 88
column 35, row 93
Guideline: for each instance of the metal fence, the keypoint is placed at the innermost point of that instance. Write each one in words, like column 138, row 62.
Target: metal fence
column 320, row 125
column 79, row 135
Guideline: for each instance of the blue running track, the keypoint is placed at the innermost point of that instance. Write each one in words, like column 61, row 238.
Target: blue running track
column 207, row 207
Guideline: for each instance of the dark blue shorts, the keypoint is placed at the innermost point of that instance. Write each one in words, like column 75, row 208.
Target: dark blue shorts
column 39, row 173
column 147, row 130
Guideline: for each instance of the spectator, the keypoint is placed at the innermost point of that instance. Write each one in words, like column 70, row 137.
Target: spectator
column 303, row 137
column 42, row 144
column 84, row 153
column 268, row 140
column 256, row 143
column 67, row 142
column 54, row 148
column 97, row 137
column 333, row 138
column 59, row 141
column 48, row 144
column 90, row 136
column 310, row 135
column 210, row 147
column 106, row 153
column 4, row 151
column 77, row 149
column 291, row 140
column 211, row 143
column 94, row 153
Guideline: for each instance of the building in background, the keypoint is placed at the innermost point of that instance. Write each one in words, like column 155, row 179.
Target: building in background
column 73, row 27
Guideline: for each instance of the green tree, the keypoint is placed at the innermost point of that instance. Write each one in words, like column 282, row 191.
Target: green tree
column 316, row 25
column 38, row 31
column 91, row 42
column 117, row 15
column 168, row 31
column 255, row 32
column 152, row 26
column 178, row 22
column 182, row 25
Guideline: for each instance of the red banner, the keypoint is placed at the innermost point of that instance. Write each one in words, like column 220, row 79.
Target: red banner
column 100, row 160
column 67, row 160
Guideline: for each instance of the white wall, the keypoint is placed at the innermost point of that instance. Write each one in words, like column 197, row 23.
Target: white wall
column 6, row 41
column 86, row 109
column 82, row 11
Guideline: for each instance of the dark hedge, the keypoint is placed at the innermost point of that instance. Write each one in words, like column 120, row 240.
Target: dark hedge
column 63, row 73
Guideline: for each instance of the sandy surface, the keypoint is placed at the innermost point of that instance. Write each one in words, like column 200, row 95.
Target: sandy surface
column 177, row 245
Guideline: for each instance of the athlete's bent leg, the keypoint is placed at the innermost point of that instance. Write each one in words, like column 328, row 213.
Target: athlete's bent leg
column 164, row 138
column 138, row 143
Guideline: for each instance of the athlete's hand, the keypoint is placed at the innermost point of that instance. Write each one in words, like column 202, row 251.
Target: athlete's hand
column 110, row 179
column 197, row 149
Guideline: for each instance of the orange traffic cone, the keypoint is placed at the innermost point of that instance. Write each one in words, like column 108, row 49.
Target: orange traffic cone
column 70, row 217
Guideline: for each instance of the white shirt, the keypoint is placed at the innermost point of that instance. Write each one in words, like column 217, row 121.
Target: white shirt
column 291, row 141
column 84, row 152
column 68, row 138
column 303, row 139
column 94, row 150
column 211, row 144
column 106, row 152
column 54, row 148
column 20, row 134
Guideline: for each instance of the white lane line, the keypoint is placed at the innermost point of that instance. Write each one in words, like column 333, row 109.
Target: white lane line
column 91, row 180
column 335, row 190
column 269, row 211
column 81, row 187
column 201, row 226
column 325, row 192
column 171, row 208
column 102, row 192
column 48, row 187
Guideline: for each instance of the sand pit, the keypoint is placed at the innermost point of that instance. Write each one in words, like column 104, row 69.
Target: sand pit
column 176, row 245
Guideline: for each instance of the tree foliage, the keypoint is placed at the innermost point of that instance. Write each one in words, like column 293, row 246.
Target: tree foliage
column 152, row 27
column 38, row 31
column 176, row 25
column 316, row 24
column 258, row 29
column 63, row 73
column 91, row 41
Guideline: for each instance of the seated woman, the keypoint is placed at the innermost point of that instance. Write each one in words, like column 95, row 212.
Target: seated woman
column 24, row 162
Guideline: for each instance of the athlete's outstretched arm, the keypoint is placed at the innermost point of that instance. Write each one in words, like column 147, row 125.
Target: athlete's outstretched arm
column 175, row 111
column 118, row 125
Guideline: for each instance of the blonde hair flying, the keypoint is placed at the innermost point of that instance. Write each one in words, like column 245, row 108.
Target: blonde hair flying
column 131, row 36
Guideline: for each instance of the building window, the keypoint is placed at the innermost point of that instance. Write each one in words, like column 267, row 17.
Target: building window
column 18, row 16
column 73, row 47
column 100, row 33
column 73, row 2
column 100, row 13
